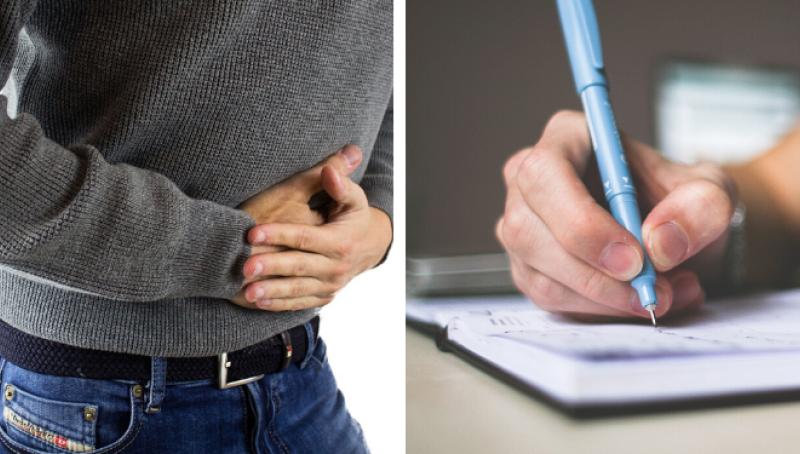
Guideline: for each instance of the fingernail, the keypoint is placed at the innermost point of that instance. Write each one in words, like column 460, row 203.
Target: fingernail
column 263, row 303
column 258, row 293
column 668, row 245
column 621, row 260
column 256, row 270
column 259, row 236
column 351, row 155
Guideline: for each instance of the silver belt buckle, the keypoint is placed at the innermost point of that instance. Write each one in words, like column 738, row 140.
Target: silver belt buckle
column 223, row 365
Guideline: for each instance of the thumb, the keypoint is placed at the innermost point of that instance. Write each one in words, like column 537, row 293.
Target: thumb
column 693, row 215
column 308, row 182
column 342, row 190
column 691, row 205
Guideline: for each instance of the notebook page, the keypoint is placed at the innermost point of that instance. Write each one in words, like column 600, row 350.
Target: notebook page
column 745, row 325
column 440, row 310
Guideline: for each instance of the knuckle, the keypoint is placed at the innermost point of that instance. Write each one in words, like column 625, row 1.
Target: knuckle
column 533, row 165
column 515, row 227
column 303, row 238
column 345, row 247
column 334, row 285
column 545, row 292
column 339, row 281
column 300, row 268
column 298, row 288
column 498, row 232
column 564, row 116
column 512, row 165
column 340, row 269
column 541, row 171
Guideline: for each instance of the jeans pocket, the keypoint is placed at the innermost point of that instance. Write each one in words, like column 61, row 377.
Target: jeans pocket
column 48, row 425
column 50, row 414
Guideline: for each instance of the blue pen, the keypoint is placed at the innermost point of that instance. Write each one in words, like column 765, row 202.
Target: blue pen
column 582, row 36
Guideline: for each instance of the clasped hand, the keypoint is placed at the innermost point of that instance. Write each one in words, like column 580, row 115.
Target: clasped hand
column 300, row 257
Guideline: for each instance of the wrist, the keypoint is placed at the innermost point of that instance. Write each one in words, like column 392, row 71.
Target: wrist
column 381, row 225
column 767, row 258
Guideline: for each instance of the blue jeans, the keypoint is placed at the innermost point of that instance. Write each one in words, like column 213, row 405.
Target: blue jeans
column 299, row 410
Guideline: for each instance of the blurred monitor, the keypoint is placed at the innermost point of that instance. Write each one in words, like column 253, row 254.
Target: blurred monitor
column 722, row 113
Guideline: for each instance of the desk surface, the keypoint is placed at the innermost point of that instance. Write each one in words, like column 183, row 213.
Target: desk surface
column 451, row 407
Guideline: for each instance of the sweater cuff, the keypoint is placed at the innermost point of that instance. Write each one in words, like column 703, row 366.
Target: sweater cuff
column 214, row 249
column 379, row 194
column 381, row 198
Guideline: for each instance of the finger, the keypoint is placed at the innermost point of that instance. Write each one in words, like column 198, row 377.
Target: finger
column 528, row 239
column 654, row 175
column 664, row 298
column 294, row 304
column 687, row 291
column 288, row 263
column 307, row 238
column 568, row 131
column 553, row 296
column 343, row 190
column 308, row 182
column 498, row 233
column 511, row 167
column 286, row 287
column 552, row 188
column 240, row 300
column 256, row 250
column 692, row 216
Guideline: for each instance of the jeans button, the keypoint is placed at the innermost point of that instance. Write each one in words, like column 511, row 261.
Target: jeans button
column 89, row 413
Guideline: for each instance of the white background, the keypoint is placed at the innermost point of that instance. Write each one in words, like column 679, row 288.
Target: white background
column 364, row 326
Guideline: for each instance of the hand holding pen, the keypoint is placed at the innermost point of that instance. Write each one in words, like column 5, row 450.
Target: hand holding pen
column 569, row 255
column 695, row 214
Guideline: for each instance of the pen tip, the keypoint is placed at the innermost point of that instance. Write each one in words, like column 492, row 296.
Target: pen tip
column 652, row 315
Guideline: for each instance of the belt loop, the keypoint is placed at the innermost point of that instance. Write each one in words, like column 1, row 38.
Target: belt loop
column 311, row 341
column 158, row 384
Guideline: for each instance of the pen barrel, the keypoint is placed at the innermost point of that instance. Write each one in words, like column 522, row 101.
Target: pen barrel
column 615, row 176
column 614, row 173
column 582, row 38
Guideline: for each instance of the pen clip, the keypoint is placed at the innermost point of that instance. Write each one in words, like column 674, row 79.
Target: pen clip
column 584, row 9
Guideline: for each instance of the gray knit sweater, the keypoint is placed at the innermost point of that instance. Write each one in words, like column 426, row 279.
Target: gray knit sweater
column 130, row 131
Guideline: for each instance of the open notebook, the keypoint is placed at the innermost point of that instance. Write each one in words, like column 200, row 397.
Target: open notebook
column 735, row 347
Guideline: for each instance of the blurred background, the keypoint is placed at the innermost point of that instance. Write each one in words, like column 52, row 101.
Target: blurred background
column 700, row 79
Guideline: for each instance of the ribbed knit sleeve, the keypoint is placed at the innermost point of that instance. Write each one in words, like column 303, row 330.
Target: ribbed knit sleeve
column 69, row 217
column 377, row 180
